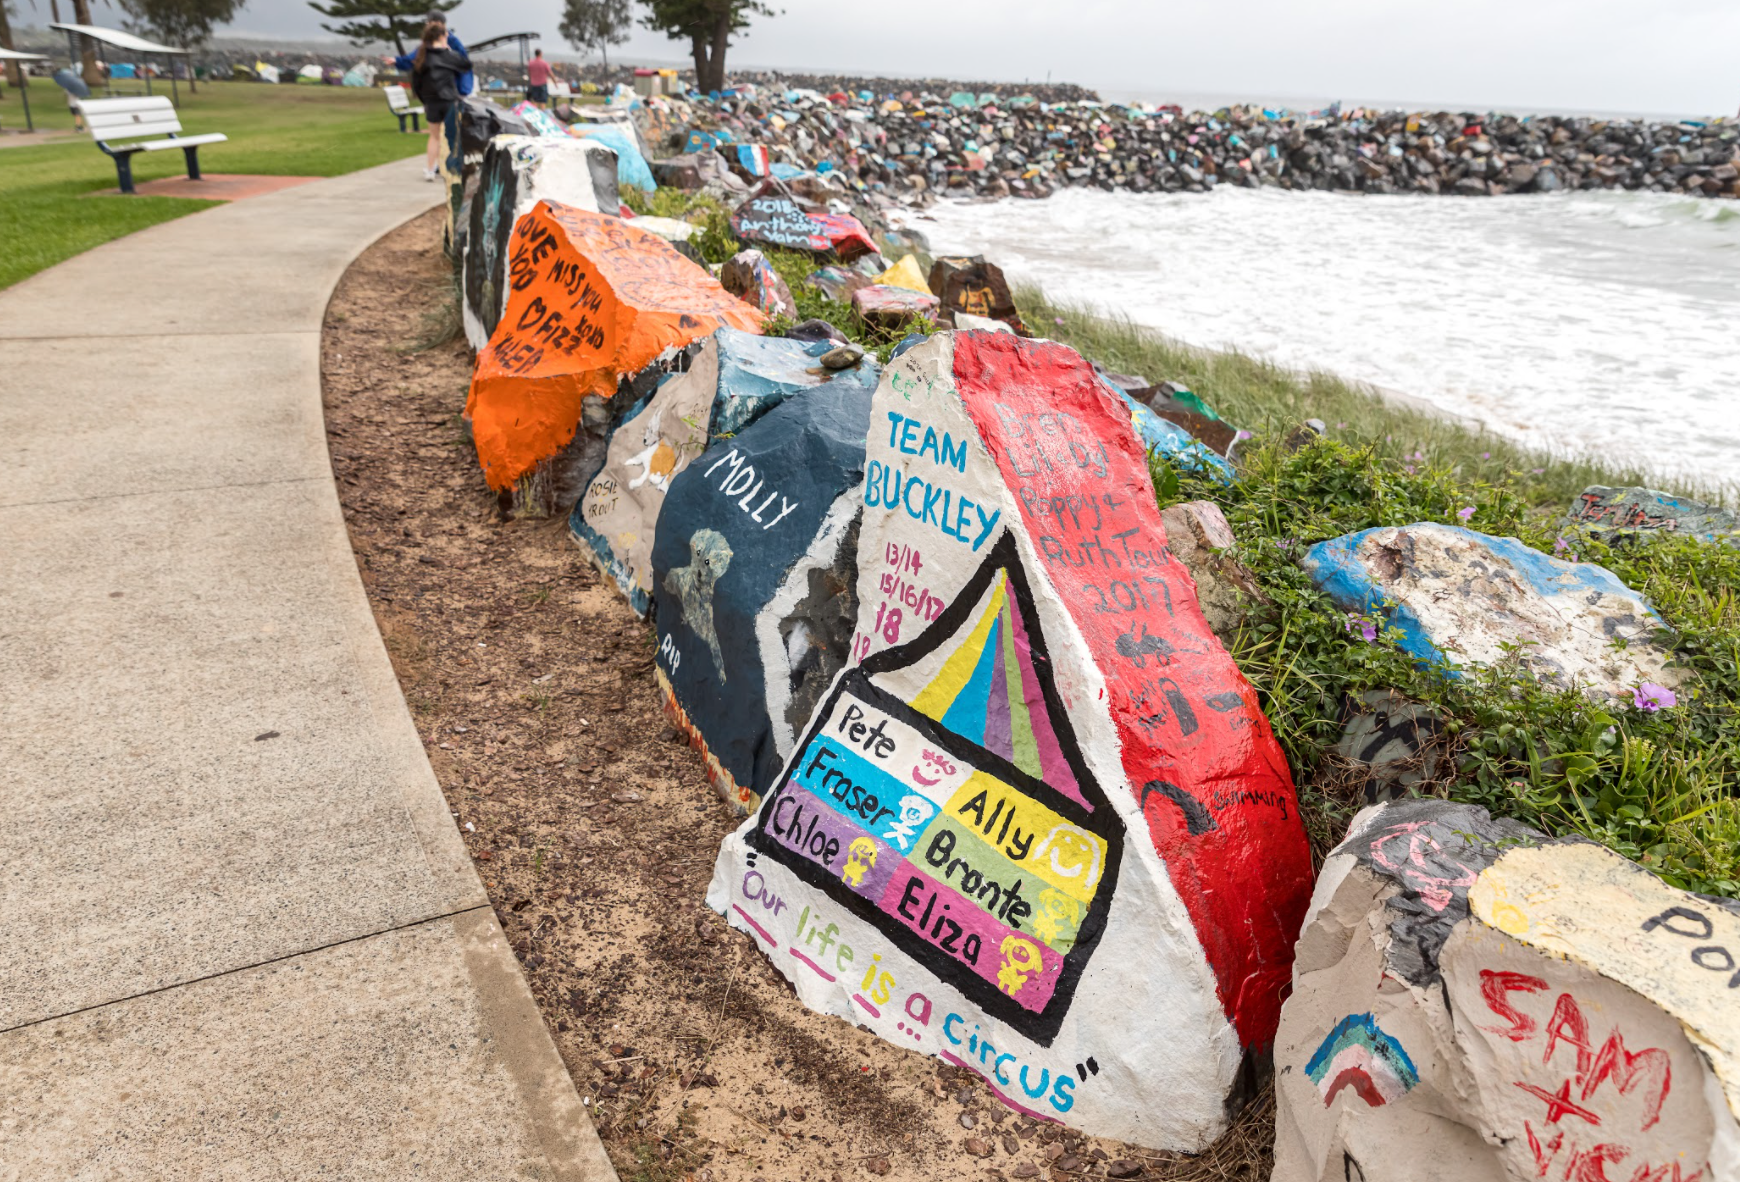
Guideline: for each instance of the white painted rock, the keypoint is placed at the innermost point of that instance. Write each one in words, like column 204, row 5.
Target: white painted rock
column 1461, row 596
column 517, row 172
column 734, row 379
column 1040, row 829
column 1472, row 1000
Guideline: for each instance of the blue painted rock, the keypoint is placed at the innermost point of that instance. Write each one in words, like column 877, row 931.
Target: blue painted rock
column 1039, row 828
column 517, row 172
column 1612, row 510
column 752, row 582
column 1460, row 597
column 1473, row 1000
column 735, row 379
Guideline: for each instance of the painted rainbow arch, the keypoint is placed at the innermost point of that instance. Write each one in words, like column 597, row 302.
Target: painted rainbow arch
column 1358, row 1054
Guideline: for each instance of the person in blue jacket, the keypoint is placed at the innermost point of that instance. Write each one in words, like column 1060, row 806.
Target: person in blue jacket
column 435, row 73
column 404, row 62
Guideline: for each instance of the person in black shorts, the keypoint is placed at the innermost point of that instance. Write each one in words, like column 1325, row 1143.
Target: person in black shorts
column 435, row 75
column 538, row 79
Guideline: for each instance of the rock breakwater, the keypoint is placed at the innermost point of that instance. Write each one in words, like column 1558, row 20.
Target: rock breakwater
column 989, row 146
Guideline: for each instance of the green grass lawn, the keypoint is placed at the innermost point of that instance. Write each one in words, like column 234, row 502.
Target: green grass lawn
column 45, row 216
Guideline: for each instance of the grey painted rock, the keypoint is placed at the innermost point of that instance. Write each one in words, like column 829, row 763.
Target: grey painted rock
column 1391, row 743
column 889, row 308
column 1038, row 828
column 1645, row 510
column 1474, row 1001
column 516, row 173
column 752, row 573
column 735, row 378
column 1461, row 596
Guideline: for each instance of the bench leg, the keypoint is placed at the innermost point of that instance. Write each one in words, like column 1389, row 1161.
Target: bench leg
column 401, row 119
column 124, row 171
column 416, row 124
column 192, row 155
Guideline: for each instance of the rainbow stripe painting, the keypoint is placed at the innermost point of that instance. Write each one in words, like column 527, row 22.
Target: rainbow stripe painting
column 988, row 691
column 1358, row 1054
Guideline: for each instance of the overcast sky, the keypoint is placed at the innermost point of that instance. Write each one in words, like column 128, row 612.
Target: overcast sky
column 1665, row 56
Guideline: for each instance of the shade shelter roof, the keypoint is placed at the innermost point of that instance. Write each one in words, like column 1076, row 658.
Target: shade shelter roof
column 117, row 38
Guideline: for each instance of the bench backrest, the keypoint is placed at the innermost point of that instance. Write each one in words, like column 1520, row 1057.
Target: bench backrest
column 129, row 118
column 560, row 90
column 396, row 97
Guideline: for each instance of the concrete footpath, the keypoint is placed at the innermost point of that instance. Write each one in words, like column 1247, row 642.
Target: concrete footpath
column 239, row 935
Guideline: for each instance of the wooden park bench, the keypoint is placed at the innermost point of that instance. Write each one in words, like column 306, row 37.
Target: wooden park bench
column 131, row 118
column 400, row 102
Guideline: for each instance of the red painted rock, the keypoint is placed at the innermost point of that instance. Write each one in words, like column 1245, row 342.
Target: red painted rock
column 1039, row 828
column 884, row 306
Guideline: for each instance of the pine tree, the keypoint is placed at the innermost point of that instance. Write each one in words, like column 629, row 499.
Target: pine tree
column 708, row 25
column 375, row 21
column 590, row 25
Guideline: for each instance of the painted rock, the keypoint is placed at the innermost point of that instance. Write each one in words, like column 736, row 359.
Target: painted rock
column 590, row 298
column 890, row 308
column 735, row 379
column 518, row 172
column 1644, row 509
column 1039, row 827
column 1391, row 743
column 753, row 582
column 751, row 278
column 773, row 216
column 968, row 284
column 1460, row 597
column 1190, row 413
column 1473, row 1000
column 1168, row 440
column 838, row 283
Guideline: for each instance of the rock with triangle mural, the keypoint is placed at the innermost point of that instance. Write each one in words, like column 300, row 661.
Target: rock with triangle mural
column 1039, row 827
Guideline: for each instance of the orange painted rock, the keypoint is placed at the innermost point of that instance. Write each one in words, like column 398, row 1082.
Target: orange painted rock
column 591, row 298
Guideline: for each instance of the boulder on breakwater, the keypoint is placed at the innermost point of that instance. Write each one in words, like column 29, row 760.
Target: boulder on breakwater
column 1461, row 597
column 735, row 379
column 516, row 173
column 592, row 300
column 1038, row 827
column 752, row 576
column 1474, row 1000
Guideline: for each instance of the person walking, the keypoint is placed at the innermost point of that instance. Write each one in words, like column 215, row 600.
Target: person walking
column 435, row 74
column 538, row 79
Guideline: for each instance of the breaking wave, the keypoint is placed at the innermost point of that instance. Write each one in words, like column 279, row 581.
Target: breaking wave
column 1595, row 322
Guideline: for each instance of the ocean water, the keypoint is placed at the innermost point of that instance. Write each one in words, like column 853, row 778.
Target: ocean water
column 1605, row 323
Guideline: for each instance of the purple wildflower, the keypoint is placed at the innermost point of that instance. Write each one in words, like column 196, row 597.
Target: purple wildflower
column 1652, row 697
column 1464, row 513
column 1486, row 455
column 1059, row 319
column 1367, row 630
column 1560, row 545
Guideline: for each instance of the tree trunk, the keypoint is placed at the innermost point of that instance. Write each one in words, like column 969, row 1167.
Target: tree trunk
column 93, row 74
column 721, row 39
column 702, row 73
column 14, row 70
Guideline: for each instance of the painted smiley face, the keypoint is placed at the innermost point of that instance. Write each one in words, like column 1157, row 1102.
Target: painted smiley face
column 934, row 763
column 1072, row 853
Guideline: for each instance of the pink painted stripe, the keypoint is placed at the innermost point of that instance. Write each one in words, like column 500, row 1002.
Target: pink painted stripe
column 759, row 929
column 827, row 976
column 992, row 1084
column 861, row 1000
